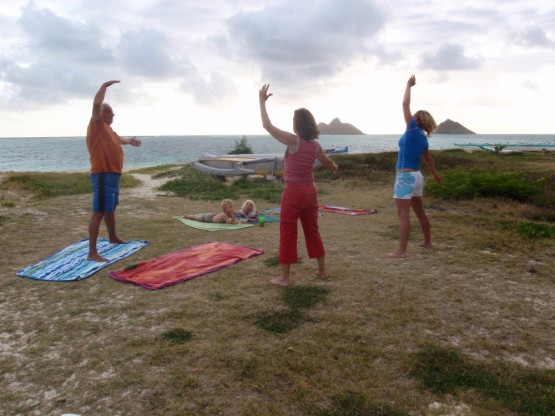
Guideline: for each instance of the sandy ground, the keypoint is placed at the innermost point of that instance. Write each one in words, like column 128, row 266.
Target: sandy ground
column 148, row 187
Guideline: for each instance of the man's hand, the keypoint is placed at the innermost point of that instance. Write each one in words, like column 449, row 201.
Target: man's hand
column 109, row 83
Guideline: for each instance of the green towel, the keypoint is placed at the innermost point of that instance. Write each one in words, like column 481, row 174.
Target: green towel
column 212, row 226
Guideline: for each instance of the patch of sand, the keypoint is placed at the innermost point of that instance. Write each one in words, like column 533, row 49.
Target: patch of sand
column 147, row 190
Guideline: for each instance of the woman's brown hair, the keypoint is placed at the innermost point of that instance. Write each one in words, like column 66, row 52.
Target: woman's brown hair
column 305, row 125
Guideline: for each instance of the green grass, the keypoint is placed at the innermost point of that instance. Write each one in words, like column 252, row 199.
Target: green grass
column 297, row 299
column 304, row 297
column 53, row 184
column 192, row 184
column 535, row 231
column 444, row 370
column 473, row 184
column 178, row 335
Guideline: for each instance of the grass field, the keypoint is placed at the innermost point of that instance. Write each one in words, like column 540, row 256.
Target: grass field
column 465, row 328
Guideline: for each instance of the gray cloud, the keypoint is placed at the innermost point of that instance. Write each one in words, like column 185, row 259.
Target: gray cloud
column 144, row 52
column 217, row 90
column 60, row 38
column 449, row 57
column 533, row 37
column 297, row 42
column 61, row 59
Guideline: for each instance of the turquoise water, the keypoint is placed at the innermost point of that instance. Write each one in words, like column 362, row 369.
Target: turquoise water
column 62, row 154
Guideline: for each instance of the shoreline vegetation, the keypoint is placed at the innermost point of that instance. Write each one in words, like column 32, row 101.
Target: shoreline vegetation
column 465, row 328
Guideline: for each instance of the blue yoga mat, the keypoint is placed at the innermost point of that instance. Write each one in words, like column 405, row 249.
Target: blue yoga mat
column 70, row 263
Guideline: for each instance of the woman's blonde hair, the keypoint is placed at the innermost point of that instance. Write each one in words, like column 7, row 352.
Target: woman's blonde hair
column 305, row 125
column 426, row 122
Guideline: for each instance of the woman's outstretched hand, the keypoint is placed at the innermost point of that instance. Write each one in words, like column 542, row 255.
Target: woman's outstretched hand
column 412, row 81
column 263, row 93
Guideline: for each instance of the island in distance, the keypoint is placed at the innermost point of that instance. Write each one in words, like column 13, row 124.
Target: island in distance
column 452, row 127
column 337, row 127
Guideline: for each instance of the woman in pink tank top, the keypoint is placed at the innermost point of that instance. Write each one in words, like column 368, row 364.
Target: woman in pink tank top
column 299, row 199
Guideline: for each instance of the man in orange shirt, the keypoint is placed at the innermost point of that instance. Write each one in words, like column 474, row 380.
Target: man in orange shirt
column 106, row 154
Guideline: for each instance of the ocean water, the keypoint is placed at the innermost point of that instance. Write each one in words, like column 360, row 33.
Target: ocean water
column 62, row 154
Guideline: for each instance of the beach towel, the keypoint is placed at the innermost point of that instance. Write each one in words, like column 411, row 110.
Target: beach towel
column 270, row 219
column 347, row 211
column 212, row 226
column 70, row 263
column 267, row 219
column 275, row 211
column 269, row 214
column 183, row 265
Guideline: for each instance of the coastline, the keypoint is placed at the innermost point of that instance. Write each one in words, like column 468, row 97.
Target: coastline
column 70, row 154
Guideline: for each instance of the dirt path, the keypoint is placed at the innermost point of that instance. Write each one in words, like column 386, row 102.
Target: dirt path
column 148, row 187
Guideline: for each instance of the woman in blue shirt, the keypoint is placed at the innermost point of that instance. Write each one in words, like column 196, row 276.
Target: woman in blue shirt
column 409, row 182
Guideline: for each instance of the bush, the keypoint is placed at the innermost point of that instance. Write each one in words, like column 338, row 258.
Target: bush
column 241, row 147
column 473, row 184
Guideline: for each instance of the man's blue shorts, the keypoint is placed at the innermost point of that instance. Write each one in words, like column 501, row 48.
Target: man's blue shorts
column 106, row 191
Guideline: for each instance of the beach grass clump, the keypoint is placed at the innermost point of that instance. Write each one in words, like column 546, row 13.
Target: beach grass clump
column 350, row 403
column 192, row 184
column 303, row 297
column 535, row 231
column 359, row 166
column 279, row 322
column 525, row 391
column 160, row 171
column 197, row 185
column 43, row 185
column 473, row 184
column 297, row 299
column 178, row 335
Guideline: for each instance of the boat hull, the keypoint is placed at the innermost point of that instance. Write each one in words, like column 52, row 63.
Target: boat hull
column 240, row 165
column 508, row 147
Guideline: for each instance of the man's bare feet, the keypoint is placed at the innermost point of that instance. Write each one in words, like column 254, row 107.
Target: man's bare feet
column 396, row 255
column 280, row 282
column 118, row 241
column 96, row 257
column 425, row 245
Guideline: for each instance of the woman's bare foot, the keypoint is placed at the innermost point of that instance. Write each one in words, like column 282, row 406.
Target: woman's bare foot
column 396, row 255
column 321, row 274
column 425, row 245
column 96, row 257
column 280, row 282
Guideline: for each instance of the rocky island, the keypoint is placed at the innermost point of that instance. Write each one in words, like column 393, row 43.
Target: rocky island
column 452, row 127
column 337, row 127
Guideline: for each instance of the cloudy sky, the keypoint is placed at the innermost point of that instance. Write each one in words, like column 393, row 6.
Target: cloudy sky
column 194, row 67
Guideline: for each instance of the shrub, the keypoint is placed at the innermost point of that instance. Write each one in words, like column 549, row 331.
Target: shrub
column 473, row 184
column 241, row 147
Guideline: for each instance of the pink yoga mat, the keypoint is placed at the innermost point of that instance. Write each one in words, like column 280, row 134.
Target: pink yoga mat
column 347, row 211
column 183, row 265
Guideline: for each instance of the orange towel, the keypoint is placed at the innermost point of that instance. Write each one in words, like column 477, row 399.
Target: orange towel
column 183, row 265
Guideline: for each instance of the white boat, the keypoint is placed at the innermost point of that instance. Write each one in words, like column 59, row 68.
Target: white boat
column 509, row 147
column 240, row 165
column 248, row 164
